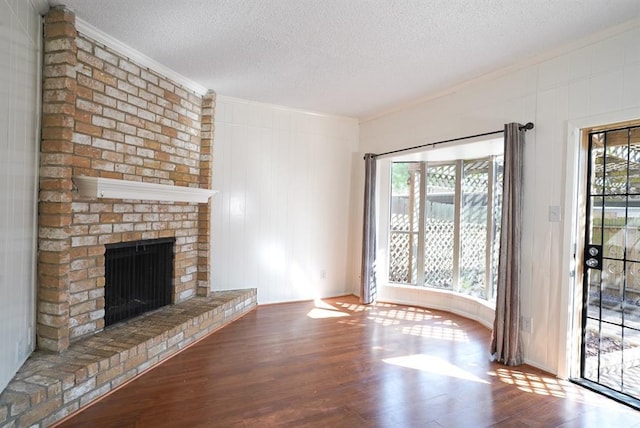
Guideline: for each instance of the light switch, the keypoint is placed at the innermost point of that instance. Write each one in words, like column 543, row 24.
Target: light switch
column 554, row 213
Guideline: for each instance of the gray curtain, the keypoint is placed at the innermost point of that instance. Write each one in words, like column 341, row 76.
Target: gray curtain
column 368, row 274
column 506, row 346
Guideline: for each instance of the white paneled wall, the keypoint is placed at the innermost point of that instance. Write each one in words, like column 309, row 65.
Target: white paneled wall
column 19, row 76
column 599, row 80
column 280, row 221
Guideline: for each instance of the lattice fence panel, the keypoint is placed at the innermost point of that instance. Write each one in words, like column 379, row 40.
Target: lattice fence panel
column 438, row 266
column 399, row 222
column 473, row 259
column 399, row 257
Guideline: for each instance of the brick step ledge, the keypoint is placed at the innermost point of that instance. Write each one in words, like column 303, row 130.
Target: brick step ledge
column 50, row 387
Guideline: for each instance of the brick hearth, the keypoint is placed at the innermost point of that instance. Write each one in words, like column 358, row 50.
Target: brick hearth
column 50, row 387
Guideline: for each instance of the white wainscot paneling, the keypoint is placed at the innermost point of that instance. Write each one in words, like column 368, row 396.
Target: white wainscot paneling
column 553, row 73
column 281, row 224
column 631, row 86
column 19, row 77
column 606, row 92
column 608, row 55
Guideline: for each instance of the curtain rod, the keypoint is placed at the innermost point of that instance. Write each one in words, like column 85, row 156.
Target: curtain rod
column 525, row 127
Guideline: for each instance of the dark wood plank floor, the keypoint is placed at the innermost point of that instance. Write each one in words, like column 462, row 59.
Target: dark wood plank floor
column 336, row 363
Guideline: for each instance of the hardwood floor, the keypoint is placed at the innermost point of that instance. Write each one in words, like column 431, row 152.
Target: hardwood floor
column 335, row 363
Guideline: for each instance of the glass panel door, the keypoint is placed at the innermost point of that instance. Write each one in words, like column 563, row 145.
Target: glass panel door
column 610, row 351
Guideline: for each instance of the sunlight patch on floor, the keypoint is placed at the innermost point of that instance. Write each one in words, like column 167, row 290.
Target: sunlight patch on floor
column 389, row 315
column 437, row 332
column 435, row 365
column 550, row 386
column 324, row 310
column 384, row 321
column 405, row 314
column 533, row 383
column 318, row 313
column 354, row 307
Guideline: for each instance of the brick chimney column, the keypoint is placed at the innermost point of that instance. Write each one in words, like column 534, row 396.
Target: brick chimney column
column 55, row 197
column 204, row 210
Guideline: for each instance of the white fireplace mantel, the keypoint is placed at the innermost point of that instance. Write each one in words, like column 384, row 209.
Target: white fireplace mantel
column 98, row 187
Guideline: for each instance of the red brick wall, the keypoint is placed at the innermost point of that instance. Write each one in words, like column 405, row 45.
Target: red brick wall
column 123, row 121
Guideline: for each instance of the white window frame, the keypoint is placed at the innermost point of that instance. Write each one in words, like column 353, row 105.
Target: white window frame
column 468, row 306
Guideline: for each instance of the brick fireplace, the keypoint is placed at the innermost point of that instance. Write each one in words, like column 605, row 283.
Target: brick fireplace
column 125, row 157
column 106, row 116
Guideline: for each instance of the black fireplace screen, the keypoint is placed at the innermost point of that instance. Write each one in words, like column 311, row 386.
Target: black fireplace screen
column 138, row 277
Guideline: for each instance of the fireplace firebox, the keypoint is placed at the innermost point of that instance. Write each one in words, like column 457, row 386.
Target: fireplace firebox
column 138, row 278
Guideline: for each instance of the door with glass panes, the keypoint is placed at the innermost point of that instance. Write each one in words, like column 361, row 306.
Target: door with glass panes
column 610, row 342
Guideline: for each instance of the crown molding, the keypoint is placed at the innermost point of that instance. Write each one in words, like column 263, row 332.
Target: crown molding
column 237, row 100
column 137, row 56
column 99, row 187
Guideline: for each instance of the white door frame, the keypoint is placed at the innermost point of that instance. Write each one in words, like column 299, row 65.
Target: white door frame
column 573, row 235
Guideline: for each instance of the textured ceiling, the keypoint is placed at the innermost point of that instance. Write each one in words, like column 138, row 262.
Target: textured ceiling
column 349, row 57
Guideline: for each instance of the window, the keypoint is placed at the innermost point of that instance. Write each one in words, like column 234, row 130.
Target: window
column 444, row 224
